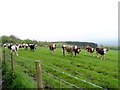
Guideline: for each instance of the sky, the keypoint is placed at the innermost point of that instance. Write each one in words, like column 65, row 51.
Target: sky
column 60, row 20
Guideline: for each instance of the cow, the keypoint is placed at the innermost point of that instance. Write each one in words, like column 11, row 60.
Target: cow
column 70, row 49
column 32, row 47
column 5, row 45
column 23, row 45
column 14, row 48
column 101, row 52
column 52, row 47
column 9, row 46
column 20, row 45
column 26, row 46
column 89, row 50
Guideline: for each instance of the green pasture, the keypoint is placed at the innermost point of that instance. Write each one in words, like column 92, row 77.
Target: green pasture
column 58, row 71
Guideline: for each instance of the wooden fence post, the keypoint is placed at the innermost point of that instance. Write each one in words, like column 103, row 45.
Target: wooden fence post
column 4, row 52
column 12, row 62
column 0, row 70
column 38, row 74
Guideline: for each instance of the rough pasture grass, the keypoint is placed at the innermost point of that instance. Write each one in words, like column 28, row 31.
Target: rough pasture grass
column 103, row 73
column 20, row 79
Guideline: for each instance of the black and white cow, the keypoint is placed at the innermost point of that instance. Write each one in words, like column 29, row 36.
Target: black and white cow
column 26, row 46
column 32, row 47
column 9, row 46
column 5, row 45
column 14, row 49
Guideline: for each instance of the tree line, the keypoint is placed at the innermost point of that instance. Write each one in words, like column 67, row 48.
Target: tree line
column 15, row 39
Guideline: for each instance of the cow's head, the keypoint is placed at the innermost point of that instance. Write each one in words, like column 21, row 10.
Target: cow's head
column 78, row 50
column 105, row 50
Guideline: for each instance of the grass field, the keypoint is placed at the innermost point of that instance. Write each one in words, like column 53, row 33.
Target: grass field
column 65, row 72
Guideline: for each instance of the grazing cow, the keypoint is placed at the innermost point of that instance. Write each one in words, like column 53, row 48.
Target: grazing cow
column 101, row 52
column 23, row 45
column 9, row 46
column 89, row 49
column 70, row 49
column 52, row 47
column 14, row 48
column 5, row 45
column 20, row 45
column 26, row 46
column 32, row 47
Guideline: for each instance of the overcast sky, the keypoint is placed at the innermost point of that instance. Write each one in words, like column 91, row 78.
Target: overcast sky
column 60, row 20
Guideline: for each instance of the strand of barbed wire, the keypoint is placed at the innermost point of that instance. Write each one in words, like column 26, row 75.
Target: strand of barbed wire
column 68, row 74
column 34, row 68
column 73, row 76
column 18, row 60
column 65, row 73
column 55, row 80
column 59, row 79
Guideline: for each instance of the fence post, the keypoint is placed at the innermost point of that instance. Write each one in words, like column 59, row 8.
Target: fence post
column 4, row 55
column 38, row 74
column 12, row 62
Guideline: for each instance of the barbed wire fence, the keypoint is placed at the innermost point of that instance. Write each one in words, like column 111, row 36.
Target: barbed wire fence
column 94, row 85
column 48, row 75
column 40, row 75
column 13, row 62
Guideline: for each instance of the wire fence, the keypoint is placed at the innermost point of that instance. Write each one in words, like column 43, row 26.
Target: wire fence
column 97, row 86
column 62, row 82
column 50, row 75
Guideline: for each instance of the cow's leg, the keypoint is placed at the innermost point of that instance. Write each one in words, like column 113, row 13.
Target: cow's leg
column 72, row 54
column 88, row 53
column 12, row 52
column 98, row 56
column 63, row 52
column 91, row 53
column 85, row 52
column 75, row 53
column 53, row 51
column 103, row 57
column 16, row 53
column 32, row 49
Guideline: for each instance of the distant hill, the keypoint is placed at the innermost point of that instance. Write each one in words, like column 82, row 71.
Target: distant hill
column 108, row 43
column 79, row 44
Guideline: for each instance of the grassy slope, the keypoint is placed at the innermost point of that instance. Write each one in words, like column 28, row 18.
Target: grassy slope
column 100, row 72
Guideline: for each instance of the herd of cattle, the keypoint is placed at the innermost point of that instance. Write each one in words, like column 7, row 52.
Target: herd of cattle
column 16, row 47
column 100, row 51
